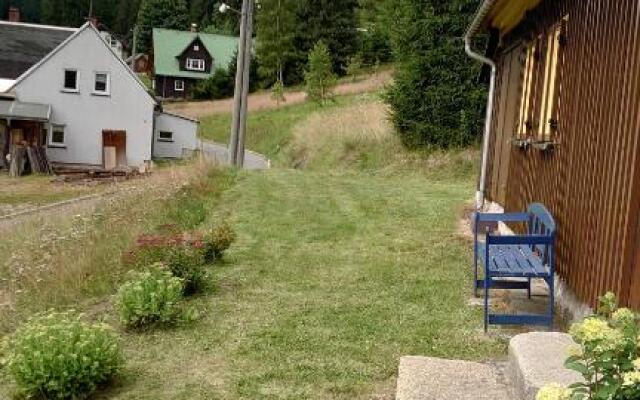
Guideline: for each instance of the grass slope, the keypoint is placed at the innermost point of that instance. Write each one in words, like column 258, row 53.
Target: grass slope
column 342, row 266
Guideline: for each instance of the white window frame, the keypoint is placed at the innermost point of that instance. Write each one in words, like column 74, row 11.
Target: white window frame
column 57, row 128
column 64, row 81
column 175, row 85
column 168, row 140
column 107, row 90
column 196, row 64
column 196, row 47
column 113, row 42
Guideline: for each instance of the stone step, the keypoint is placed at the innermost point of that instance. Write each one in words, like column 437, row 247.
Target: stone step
column 425, row 378
column 537, row 359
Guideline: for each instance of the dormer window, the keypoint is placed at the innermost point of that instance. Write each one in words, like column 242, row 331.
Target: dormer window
column 195, row 64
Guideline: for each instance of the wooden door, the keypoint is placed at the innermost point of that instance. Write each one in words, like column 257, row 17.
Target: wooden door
column 114, row 152
column 507, row 110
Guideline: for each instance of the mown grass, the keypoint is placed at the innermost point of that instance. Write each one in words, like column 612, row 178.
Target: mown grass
column 344, row 263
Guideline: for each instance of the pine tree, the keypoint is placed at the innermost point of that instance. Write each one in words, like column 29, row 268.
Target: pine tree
column 170, row 14
column 332, row 21
column 276, row 23
column 319, row 77
column 435, row 99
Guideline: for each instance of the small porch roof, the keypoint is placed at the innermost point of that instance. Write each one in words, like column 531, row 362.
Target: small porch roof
column 14, row 109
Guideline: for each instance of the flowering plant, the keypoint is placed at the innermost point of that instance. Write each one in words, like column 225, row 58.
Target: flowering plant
column 608, row 356
column 150, row 296
column 57, row 355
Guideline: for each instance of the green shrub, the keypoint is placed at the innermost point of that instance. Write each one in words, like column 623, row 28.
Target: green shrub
column 354, row 67
column 188, row 264
column 150, row 296
column 608, row 356
column 319, row 78
column 436, row 99
column 59, row 356
column 217, row 241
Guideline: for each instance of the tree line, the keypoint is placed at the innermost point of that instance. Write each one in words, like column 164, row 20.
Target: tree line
column 436, row 98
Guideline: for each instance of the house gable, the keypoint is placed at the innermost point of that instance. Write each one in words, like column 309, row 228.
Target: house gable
column 169, row 44
column 196, row 50
column 109, row 97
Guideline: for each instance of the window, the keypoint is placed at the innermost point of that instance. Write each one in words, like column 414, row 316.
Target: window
column 101, row 85
column 57, row 136
column 196, row 47
column 70, row 80
column 537, row 118
column 113, row 42
column 165, row 136
column 179, row 86
column 195, row 64
column 548, row 109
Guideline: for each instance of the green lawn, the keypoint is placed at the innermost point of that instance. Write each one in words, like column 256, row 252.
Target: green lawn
column 342, row 266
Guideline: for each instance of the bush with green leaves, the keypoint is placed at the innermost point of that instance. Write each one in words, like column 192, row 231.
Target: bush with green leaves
column 436, row 98
column 354, row 67
column 189, row 264
column 151, row 296
column 217, row 241
column 319, row 77
column 60, row 356
column 607, row 356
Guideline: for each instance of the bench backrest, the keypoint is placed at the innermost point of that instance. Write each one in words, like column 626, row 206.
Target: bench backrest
column 541, row 222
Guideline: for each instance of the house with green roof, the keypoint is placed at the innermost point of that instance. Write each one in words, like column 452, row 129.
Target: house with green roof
column 182, row 58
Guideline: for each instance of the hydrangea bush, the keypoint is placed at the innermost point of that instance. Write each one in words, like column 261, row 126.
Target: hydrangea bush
column 59, row 356
column 149, row 297
column 607, row 356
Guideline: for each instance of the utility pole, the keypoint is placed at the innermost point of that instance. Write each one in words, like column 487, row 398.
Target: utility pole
column 245, row 86
column 134, row 47
column 240, row 98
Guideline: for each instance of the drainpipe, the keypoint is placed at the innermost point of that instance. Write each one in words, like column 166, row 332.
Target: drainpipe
column 483, row 11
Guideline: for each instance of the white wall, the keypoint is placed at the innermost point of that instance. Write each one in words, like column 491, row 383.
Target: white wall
column 185, row 136
column 85, row 115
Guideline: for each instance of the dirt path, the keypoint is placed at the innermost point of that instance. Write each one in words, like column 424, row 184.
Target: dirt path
column 263, row 101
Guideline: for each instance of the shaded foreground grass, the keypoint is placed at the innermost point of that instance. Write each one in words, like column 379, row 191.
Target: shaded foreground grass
column 333, row 279
column 342, row 266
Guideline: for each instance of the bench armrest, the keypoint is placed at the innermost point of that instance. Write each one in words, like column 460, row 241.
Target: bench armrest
column 481, row 218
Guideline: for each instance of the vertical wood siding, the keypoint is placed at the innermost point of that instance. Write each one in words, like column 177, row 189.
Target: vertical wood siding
column 590, row 180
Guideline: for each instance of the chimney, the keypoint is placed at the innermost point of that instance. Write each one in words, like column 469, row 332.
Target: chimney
column 194, row 27
column 14, row 14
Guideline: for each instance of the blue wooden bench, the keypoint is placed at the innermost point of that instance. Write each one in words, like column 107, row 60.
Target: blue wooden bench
column 511, row 262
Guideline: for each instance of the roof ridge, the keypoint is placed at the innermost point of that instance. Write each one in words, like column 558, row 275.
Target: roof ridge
column 41, row 26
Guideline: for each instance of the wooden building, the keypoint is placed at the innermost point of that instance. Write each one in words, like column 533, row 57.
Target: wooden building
column 565, row 131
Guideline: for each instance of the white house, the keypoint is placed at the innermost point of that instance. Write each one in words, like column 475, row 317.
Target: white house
column 175, row 136
column 80, row 100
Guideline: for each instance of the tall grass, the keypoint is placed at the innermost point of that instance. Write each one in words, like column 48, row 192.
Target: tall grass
column 71, row 260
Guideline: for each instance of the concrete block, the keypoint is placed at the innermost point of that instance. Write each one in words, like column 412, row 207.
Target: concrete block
column 537, row 359
column 424, row 378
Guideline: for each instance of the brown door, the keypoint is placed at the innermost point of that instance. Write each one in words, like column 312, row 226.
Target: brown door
column 114, row 149
column 507, row 107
